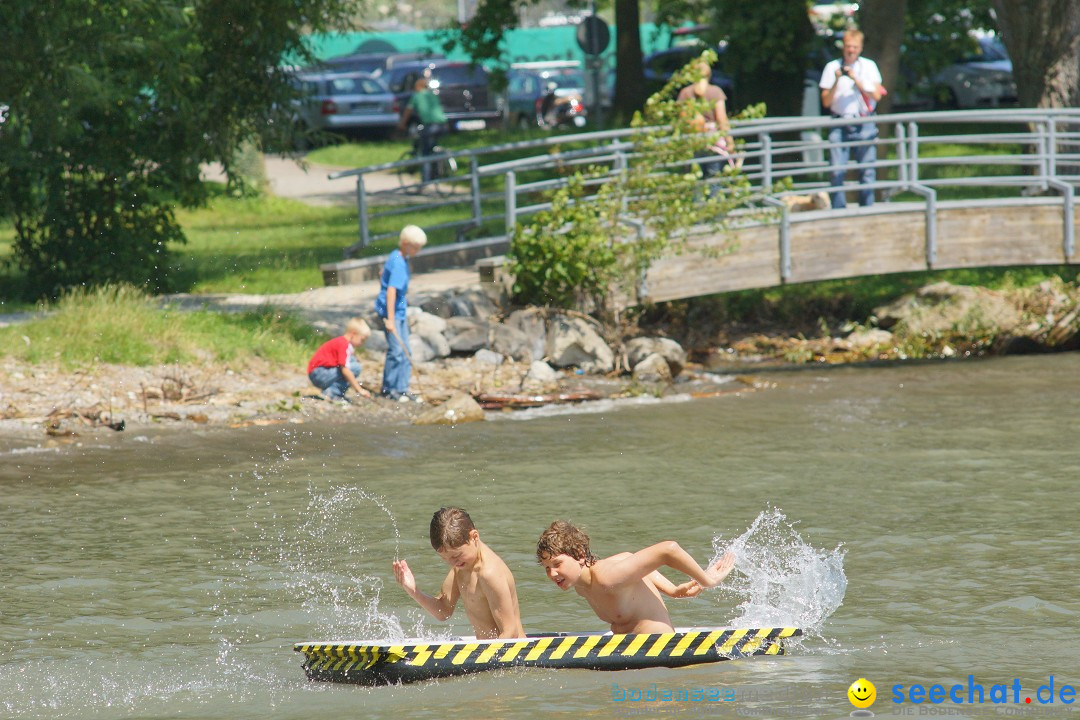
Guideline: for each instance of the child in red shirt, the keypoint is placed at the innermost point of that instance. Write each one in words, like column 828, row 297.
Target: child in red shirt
column 334, row 367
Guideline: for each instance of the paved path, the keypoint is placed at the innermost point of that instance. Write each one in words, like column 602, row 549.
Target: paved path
column 311, row 183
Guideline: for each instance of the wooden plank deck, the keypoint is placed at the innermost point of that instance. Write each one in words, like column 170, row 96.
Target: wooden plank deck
column 888, row 238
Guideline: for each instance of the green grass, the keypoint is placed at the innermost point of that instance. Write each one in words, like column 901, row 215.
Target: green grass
column 258, row 245
column 275, row 245
column 120, row 324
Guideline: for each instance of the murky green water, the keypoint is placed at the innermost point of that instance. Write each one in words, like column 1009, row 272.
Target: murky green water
column 169, row 576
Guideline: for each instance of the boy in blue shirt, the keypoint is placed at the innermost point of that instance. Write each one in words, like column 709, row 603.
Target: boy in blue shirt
column 392, row 308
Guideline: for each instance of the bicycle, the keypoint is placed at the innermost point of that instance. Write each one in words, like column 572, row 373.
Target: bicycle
column 442, row 168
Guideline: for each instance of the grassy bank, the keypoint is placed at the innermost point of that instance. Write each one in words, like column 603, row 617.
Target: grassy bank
column 119, row 324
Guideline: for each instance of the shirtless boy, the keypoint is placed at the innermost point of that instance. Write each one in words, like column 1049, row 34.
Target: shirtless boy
column 477, row 575
column 624, row 589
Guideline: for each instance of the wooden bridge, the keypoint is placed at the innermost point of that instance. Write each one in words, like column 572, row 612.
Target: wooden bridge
column 1032, row 225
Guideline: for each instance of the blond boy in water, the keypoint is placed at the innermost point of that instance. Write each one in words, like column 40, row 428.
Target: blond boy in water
column 477, row 575
column 624, row 590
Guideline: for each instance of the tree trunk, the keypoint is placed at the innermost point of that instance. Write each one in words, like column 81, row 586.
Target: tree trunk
column 882, row 21
column 629, row 71
column 1043, row 38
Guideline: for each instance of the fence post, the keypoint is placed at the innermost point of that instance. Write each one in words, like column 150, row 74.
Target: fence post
column 362, row 209
column 474, row 184
column 785, row 237
column 1069, row 243
column 913, row 152
column 1051, row 158
column 931, row 221
column 511, row 202
column 620, row 167
column 901, row 154
column 766, row 162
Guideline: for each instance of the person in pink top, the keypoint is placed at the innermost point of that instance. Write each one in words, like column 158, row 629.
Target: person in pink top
column 334, row 367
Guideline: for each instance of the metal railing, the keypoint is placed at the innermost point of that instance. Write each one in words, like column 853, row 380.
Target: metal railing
column 917, row 153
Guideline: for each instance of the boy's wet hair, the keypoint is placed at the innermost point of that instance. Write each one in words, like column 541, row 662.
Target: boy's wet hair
column 562, row 538
column 450, row 528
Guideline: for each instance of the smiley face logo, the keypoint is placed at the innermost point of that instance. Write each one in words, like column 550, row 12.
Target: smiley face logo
column 862, row 693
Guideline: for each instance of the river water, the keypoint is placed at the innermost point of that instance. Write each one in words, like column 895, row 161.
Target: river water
column 920, row 521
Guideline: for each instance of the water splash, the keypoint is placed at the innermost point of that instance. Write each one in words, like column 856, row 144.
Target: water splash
column 786, row 582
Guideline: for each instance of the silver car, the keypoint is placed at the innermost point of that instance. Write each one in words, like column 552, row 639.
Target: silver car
column 984, row 79
column 344, row 102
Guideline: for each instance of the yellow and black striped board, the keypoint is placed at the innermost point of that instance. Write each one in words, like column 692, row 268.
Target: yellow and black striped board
column 413, row 660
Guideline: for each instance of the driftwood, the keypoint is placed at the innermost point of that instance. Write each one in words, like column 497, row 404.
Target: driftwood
column 496, row 401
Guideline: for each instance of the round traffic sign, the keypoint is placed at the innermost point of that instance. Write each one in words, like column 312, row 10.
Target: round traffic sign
column 593, row 35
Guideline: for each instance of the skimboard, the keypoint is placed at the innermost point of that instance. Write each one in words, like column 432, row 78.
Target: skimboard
column 392, row 662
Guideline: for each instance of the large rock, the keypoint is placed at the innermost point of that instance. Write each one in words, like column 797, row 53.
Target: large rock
column 540, row 375
column 533, row 324
column 466, row 334
column 488, row 357
column 459, row 408
column 870, row 338
column 944, row 309
column 653, row 368
column 426, row 339
column 472, row 303
column 574, row 341
column 511, row 342
column 640, row 348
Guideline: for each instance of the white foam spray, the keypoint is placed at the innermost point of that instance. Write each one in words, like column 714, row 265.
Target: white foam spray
column 785, row 581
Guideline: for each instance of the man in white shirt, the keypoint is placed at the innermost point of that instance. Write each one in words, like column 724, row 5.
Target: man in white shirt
column 851, row 88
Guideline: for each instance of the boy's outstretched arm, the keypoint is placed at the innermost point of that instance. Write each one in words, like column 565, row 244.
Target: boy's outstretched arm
column 442, row 606
column 670, row 553
column 687, row 589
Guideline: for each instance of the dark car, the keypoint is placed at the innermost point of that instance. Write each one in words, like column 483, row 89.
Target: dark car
column 463, row 90
column 527, row 84
column 344, row 102
column 661, row 65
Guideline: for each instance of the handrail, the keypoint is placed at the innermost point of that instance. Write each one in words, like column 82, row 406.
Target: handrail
column 771, row 149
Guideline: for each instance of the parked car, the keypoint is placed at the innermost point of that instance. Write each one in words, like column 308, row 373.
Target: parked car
column 661, row 65
column 530, row 87
column 373, row 63
column 982, row 79
column 344, row 102
column 463, row 90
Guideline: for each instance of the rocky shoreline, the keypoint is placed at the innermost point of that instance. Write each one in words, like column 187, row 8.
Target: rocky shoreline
column 470, row 351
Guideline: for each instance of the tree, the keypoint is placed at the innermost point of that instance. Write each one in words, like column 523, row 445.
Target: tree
column 115, row 104
column 883, row 23
column 629, row 70
column 1043, row 39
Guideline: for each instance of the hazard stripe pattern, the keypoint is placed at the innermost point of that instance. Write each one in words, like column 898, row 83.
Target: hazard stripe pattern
column 350, row 662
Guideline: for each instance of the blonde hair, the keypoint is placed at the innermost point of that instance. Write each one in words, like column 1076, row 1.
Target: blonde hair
column 562, row 538
column 853, row 34
column 358, row 326
column 450, row 528
column 413, row 235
